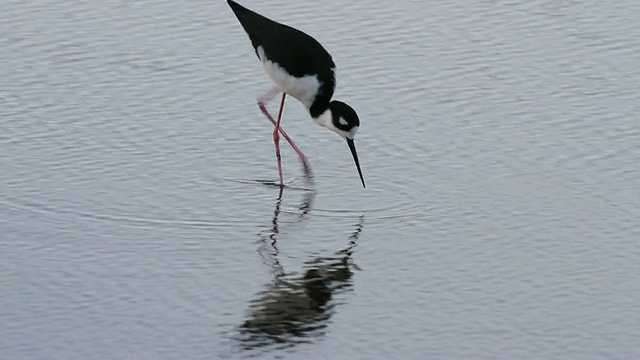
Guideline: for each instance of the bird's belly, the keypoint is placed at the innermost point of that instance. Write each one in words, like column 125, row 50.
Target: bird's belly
column 302, row 88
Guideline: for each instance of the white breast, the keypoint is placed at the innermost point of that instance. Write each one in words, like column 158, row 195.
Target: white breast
column 302, row 88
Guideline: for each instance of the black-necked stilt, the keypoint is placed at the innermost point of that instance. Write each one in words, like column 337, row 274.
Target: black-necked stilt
column 302, row 68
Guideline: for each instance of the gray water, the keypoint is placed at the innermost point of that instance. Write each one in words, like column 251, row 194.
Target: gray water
column 500, row 143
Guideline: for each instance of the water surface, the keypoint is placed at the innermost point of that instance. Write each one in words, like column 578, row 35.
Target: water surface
column 499, row 142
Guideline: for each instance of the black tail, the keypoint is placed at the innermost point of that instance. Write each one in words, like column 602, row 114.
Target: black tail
column 253, row 23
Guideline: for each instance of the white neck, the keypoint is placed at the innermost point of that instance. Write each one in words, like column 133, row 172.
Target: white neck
column 325, row 119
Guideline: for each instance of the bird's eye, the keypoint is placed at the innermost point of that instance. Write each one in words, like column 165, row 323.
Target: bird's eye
column 343, row 122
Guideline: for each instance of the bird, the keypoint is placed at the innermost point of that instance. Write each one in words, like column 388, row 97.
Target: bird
column 303, row 69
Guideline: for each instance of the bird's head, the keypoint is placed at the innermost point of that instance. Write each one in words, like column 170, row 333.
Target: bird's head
column 343, row 120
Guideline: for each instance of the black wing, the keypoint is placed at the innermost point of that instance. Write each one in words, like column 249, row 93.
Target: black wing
column 292, row 49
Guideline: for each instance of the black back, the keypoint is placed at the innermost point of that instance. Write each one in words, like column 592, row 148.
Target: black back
column 295, row 51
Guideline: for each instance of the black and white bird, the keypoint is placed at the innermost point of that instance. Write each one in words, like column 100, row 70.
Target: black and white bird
column 300, row 67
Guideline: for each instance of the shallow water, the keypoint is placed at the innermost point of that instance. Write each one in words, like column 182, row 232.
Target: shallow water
column 499, row 142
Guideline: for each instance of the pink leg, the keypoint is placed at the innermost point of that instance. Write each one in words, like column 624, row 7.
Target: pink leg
column 262, row 104
column 262, row 101
column 276, row 139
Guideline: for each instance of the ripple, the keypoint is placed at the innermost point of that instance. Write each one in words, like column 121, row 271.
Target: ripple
column 394, row 212
column 241, row 215
column 43, row 208
column 403, row 209
column 269, row 183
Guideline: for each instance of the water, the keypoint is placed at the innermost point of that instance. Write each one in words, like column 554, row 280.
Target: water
column 499, row 142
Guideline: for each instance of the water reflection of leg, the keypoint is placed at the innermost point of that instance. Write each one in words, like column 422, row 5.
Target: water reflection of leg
column 268, row 249
column 307, row 204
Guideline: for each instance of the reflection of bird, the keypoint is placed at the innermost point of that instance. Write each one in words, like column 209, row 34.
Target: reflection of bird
column 290, row 306
column 295, row 306
column 302, row 68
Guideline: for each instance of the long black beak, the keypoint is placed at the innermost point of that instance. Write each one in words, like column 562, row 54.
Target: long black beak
column 352, row 147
